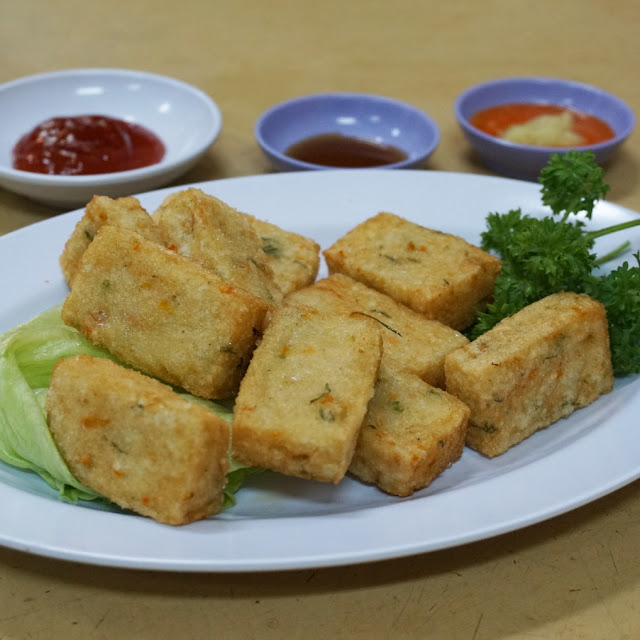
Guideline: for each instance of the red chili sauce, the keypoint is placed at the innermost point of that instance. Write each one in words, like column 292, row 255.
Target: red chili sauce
column 496, row 120
column 86, row 145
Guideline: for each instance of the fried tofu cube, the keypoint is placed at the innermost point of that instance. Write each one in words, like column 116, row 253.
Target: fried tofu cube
column 414, row 342
column 202, row 227
column 531, row 369
column 164, row 314
column 293, row 258
column 305, row 394
column 136, row 441
column 436, row 274
column 101, row 210
column 412, row 432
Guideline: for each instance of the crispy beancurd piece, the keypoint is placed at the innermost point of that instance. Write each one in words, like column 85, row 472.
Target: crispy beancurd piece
column 123, row 212
column 305, row 394
column 436, row 274
column 202, row 227
column 294, row 259
column 164, row 314
column 136, row 441
column 414, row 342
column 531, row 369
column 412, row 432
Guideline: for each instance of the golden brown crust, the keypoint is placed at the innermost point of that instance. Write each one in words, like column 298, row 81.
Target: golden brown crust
column 532, row 369
column 304, row 396
column 412, row 432
column 164, row 314
column 101, row 210
column 409, row 339
column 293, row 258
column 438, row 275
column 206, row 229
column 136, row 441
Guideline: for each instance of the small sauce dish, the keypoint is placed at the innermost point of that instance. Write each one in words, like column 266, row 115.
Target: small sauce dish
column 345, row 130
column 524, row 161
column 185, row 119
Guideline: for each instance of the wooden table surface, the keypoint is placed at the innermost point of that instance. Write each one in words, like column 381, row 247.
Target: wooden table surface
column 575, row 576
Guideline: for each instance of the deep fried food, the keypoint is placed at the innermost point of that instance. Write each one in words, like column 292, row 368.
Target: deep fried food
column 294, row 259
column 414, row 342
column 101, row 210
column 164, row 314
column 532, row 369
column 412, row 432
column 302, row 401
column 202, row 227
column 136, row 441
column 437, row 274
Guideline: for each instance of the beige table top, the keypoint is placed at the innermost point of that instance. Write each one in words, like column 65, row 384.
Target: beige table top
column 576, row 576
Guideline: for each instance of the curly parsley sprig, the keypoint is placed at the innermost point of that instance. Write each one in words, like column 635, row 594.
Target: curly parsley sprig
column 541, row 256
column 572, row 183
column 619, row 292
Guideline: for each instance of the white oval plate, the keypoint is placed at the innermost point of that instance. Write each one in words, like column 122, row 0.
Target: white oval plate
column 186, row 120
column 285, row 523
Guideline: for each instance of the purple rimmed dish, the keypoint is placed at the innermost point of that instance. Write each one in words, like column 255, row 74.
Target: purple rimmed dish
column 524, row 161
column 369, row 119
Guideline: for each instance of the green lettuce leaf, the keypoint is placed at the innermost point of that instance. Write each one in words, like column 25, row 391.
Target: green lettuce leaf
column 25, row 364
column 28, row 354
column 237, row 473
column 236, row 477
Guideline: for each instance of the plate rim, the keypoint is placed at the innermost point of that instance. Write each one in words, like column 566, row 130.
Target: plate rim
column 232, row 533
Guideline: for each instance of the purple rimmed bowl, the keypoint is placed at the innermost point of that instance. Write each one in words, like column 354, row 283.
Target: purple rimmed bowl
column 377, row 119
column 525, row 161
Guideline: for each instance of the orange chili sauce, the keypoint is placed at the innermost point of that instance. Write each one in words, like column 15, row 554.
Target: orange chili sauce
column 496, row 120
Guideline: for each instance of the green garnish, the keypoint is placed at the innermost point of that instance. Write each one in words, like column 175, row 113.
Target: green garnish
column 396, row 405
column 541, row 256
column 487, row 428
column 327, row 415
column 386, row 326
column 572, row 183
column 380, row 312
column 271, row 247
column 324, row 394
column 28, row 354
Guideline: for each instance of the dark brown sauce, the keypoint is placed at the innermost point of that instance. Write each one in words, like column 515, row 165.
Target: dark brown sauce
column 337, row 150
column 83, row 145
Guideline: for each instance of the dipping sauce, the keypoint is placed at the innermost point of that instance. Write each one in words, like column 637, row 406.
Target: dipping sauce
column 337, row 150
column 86, row 145
column 542, row 125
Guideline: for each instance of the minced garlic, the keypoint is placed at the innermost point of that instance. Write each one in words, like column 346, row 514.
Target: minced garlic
column 545, row 131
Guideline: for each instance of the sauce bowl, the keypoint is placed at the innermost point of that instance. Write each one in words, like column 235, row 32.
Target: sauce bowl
column 185, row 119
column 372, row 118
column 525, row 161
